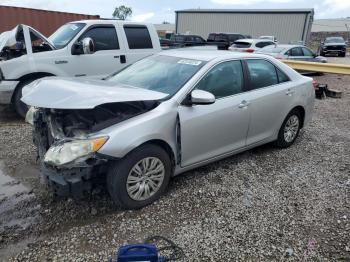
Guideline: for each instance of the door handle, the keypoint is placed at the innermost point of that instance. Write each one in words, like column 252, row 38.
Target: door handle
column 122, row 59
column 244, row 104
column 289, row 92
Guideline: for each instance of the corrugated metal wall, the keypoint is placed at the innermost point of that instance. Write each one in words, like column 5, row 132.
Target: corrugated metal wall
column 285, row 26
column 46, row 22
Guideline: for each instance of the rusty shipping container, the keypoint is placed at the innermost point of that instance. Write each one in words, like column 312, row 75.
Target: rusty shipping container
column 46, row 22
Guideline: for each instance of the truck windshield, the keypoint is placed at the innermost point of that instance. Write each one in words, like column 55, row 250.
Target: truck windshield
column 334, row 40
column 166, row 74
column 65, row 34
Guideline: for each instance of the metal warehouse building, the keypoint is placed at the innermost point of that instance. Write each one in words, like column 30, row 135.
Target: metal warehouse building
column 286, row 24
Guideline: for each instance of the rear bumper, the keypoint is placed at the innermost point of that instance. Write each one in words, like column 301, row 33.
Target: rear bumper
column 6, row 91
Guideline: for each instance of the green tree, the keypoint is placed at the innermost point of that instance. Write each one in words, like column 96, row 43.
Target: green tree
column 122, row 12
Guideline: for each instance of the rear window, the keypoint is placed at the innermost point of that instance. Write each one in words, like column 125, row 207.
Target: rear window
column 138, row 37
column 242, row 44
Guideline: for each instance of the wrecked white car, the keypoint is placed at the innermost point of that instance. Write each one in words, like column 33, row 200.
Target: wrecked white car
column 162, row 116
column 91, row 48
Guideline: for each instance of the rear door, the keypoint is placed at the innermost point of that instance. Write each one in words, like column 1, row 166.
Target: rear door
column 139, row 43
column 208, row 131
column 106, row 59
column 270, row 97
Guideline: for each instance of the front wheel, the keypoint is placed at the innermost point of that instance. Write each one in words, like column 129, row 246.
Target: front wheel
column 20, row 107
column 289, row 130
column 139, row 178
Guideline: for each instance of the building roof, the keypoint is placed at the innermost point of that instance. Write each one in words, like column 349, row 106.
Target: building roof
column 199, row 10
column 331, row 25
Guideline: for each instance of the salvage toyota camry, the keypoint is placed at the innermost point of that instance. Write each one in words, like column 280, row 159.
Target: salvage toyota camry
column 160, row 117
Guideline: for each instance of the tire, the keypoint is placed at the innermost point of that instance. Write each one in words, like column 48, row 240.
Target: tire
column 120, row 171
column 284, row 141
column 20, row 107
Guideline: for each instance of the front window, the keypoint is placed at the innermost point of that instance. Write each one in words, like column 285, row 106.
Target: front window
column 65, row 34
column 160, row 73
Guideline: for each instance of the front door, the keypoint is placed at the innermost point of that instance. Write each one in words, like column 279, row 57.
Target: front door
column 212, row 130
column 107, row 56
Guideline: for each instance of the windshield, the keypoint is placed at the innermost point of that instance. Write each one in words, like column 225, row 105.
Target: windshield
column 334, row 40
column 160, row 73
column 65, row 34
column 272, row 49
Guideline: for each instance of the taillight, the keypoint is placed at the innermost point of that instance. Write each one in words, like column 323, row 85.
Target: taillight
column 249, row 50
column 314, row 83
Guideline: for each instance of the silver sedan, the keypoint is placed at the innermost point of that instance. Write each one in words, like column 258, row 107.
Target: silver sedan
column 162, row 116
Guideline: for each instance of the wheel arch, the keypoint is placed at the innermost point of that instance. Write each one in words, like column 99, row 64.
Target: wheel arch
column 301, row 110
column 26, row 77
column 164, row 145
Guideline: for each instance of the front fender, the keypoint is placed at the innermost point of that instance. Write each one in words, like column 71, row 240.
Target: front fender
column 130, row 134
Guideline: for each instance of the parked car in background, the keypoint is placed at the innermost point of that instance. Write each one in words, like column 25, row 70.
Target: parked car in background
column 162, row 116
column 269, row 37
column 250, row 45
column 333, row 45
column 293, row 52
column 91, row 48
column 183, row 41
column 227, row 38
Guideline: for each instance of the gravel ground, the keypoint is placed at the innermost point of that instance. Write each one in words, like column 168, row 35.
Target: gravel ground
column 261, row 205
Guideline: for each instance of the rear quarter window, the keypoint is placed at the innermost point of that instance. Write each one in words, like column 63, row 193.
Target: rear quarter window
column 138, row 37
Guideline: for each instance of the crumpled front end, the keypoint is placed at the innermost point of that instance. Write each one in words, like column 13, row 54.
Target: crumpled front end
column 67, row 143
column 66, row 177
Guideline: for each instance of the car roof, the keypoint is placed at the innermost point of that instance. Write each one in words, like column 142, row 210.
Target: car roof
column 109, row 21
column 252, row 40
column 208, row 54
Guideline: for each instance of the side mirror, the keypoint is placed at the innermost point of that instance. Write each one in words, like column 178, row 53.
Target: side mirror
column 200, row 97
column 88, row 45
column 85, row 46
column 322, row 43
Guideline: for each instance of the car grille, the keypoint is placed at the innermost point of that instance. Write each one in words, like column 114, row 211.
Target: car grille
column 334, row 47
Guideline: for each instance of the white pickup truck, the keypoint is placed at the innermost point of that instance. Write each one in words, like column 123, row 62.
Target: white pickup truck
column 91, row 48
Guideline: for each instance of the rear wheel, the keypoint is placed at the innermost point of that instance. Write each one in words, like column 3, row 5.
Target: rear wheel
column 139, row 178
column 20, row 107
column 289, row 130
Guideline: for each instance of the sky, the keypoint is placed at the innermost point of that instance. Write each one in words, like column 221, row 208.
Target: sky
column 157, row 11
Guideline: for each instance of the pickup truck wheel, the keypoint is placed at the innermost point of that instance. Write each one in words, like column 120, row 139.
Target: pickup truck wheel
column 20, row 107
column 289, row 130
column 139, row 178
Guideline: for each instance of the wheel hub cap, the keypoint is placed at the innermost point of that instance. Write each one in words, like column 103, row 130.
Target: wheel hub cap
column 145, row 178
column 291, row 128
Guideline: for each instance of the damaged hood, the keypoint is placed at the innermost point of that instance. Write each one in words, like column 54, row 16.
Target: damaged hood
column 64, row 93
column 10, row 38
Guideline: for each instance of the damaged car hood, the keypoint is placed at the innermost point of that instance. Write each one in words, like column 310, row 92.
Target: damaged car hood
column 10, row 38
column 61, row 93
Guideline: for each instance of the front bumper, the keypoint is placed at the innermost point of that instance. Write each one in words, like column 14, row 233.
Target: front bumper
column 75, row 182
column 7, row 89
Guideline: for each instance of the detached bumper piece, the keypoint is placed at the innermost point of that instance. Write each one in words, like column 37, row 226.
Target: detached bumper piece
column 73, row 182
column 322, row 91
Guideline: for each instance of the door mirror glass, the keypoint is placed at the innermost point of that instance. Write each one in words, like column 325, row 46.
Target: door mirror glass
column 88, row 45
column 201, row 97
column 85, row 46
